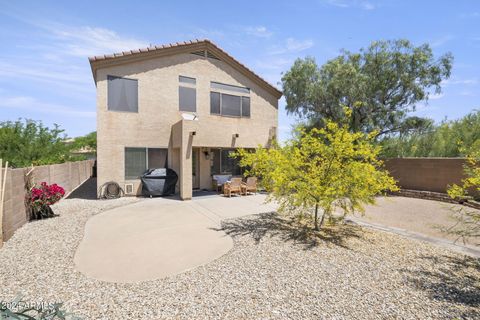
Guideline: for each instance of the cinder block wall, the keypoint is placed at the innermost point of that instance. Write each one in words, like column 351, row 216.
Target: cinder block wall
column 427, row 174
column 68, row 175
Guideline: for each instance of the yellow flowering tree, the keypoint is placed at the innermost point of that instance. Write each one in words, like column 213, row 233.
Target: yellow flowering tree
column 331, row 169
column 467, row 224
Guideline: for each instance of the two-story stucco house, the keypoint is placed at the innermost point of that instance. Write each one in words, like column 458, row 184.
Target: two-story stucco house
column 184, row 106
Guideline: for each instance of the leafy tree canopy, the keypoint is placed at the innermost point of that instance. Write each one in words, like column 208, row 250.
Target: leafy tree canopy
column 448, row 139
column 89, row 141
column 380, row 84
column 27, row 142
column 330, row 168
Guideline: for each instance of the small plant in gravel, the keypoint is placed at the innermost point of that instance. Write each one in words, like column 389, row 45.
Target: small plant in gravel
column 40, row 198
column 23, row 310
column 332, row 169
column 467, row 225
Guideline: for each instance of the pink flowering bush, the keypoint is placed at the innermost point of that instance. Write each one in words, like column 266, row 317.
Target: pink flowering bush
column 41, row 198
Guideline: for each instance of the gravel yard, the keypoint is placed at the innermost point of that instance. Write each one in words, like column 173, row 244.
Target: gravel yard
column 274, row 271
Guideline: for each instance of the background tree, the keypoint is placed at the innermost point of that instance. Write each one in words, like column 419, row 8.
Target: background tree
column 380, row 85
column 328, row 168
column 87, row 141
column 448, row 139
column 27, row 142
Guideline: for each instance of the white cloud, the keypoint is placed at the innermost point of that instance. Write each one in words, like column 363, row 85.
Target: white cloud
column 436, row 96
column 88, row 41
column 201, row 33
column 368, row 5
column 58, row 56
column 44, row 72
column 259, row 31
column 274, row 63
column 32, row 104
column 292, row 45
column 365, row 5
column 74, row 82
column 467, row 93
column 441, row 40
column 459, row 81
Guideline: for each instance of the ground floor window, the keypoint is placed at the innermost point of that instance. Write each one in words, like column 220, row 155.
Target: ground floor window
column 223, row 163
column 138, row 160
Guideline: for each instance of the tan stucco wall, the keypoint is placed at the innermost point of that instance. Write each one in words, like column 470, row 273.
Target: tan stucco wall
column 158, row 112
column 426, row 174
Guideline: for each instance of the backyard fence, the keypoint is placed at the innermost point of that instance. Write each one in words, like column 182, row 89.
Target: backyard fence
column 68, row 175
column 426, row 174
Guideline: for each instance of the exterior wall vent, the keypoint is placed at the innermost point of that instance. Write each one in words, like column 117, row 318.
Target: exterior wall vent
column 204, row 54
column 199, row 53
column 128, row 188
column 212, row 56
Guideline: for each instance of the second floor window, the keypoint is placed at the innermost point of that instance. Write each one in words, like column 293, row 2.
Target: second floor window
column 229, row 105
column 236, row 104
column 187, row 94
column 122, row 94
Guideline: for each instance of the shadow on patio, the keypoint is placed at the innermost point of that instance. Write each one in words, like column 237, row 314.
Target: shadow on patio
column 272, row 225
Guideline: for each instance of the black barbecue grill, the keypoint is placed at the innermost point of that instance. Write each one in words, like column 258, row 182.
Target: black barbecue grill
column 159, row 182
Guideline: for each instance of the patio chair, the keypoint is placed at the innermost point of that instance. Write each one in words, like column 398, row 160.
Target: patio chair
column 218, row 180
column 232, row 186
column 250, row 185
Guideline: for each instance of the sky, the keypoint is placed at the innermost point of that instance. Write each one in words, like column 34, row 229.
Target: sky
column 45, row 45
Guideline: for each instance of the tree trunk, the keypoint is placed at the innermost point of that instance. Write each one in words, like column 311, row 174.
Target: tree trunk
column 316, row 217
column 321, row 220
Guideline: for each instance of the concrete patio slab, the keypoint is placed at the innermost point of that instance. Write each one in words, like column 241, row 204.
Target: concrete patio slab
column 148, row 240
column 159, row 237
column 222, row 208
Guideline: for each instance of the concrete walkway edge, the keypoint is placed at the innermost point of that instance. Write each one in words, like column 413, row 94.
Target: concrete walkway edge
column 418, row 236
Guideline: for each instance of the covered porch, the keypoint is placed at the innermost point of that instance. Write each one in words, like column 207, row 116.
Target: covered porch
column 197, row 154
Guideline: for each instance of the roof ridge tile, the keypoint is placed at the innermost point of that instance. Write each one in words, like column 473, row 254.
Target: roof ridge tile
column 153, row 48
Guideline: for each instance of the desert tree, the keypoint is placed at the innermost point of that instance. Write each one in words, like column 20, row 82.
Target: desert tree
column 380, row 85
column 467, row 220
column 328, row 172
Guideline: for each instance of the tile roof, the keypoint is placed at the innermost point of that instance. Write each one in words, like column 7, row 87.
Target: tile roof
column 158, row 48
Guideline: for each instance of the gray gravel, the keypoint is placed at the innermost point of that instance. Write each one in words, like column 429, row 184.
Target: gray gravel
column 274, row 271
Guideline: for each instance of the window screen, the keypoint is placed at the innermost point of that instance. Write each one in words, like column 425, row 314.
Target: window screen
column 135, row 162
column 218, row 85
column 245, row 107
column 231, row 105
column 187, row 80
column 187, row 99
column 214, row 102
column 122, row 94
column 157, row 158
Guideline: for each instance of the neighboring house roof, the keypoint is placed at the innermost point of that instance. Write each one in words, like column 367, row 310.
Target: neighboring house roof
column 195, row 46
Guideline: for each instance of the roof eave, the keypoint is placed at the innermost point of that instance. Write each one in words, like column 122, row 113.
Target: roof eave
column 98, row 62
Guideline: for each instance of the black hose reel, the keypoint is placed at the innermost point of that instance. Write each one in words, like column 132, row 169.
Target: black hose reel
column 110, row 190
